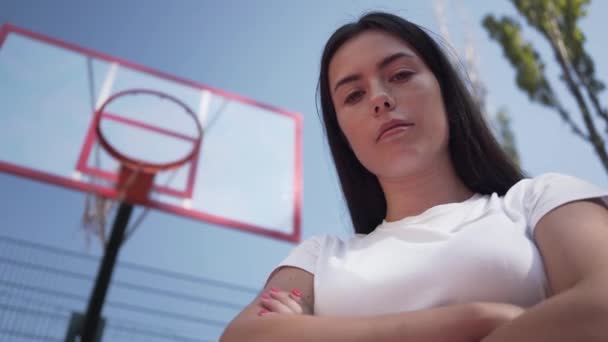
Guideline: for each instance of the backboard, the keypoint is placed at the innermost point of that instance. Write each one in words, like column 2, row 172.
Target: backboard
column 246, row 175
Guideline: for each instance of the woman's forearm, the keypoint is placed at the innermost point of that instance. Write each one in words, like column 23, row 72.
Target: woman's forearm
column 578, row 314
column 458, row 323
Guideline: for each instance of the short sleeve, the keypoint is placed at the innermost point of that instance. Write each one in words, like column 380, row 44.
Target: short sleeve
column 549, row 191
column 304, row 255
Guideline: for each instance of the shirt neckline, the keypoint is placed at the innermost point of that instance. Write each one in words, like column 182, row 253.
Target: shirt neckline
column 429, row 213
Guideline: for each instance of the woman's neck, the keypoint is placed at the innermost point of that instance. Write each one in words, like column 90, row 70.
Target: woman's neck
column 413, row 194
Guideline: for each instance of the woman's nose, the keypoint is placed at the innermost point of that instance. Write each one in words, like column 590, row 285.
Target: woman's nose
column 383, row 103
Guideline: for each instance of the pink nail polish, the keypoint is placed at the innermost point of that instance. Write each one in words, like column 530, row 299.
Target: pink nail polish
column 296, row 293
column 274, row 289
column 265, row 296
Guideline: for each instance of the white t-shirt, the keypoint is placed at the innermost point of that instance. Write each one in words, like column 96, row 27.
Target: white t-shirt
column 482, row 249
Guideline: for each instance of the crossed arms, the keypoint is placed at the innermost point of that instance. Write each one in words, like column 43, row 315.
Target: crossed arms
column 573, row 240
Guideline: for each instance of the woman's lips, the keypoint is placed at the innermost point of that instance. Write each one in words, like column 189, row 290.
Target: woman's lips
column 394, row 131
column 393, row 127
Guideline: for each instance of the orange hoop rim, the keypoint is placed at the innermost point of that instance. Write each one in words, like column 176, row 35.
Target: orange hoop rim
column 137, row 164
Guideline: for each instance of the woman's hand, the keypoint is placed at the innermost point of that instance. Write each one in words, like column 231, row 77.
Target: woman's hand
column 501, row 312
column 277, row 301
column 496, row 314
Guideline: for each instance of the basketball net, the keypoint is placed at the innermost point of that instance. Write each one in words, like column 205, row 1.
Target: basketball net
column 94, row 218
column 98, row 208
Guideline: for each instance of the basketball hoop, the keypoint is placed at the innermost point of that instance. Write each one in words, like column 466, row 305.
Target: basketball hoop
column 136, row 177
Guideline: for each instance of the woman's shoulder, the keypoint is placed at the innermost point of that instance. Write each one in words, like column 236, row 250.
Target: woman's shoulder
column 310, row 251
column 538, row 195
column 552, row 182
column 330, row 244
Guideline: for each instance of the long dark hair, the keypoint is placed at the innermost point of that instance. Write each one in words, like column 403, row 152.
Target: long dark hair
column 476, row 155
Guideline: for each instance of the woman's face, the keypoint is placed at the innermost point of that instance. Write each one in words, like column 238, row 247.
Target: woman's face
column 389, row 105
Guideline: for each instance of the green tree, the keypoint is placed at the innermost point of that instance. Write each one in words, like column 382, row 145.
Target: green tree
column 557, row 22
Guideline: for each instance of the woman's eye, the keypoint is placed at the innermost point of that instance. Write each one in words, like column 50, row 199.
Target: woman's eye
column 353, row 97
column 402, row 76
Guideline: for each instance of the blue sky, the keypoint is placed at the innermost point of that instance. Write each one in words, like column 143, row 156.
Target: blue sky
column 268, row 51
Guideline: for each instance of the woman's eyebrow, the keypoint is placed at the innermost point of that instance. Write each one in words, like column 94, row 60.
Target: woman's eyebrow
column 382, row 64
column 389, row 59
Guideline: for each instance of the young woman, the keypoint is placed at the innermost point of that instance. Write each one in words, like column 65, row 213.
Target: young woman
column 452, row 243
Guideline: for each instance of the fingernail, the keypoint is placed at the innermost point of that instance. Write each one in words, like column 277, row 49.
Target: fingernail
column 296, row 293
column 274, row 289
column 265, row 296
column 263, row 311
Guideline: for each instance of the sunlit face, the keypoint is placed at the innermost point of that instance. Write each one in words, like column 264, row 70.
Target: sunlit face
column 375, row 78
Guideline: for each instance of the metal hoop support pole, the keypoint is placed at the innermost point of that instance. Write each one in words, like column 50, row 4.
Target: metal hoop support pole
column 90, row 332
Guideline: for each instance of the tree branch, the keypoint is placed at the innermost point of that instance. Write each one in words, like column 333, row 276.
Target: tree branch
column 563, row 113
column 559, row 49
column 601, row 112
column 529, row 68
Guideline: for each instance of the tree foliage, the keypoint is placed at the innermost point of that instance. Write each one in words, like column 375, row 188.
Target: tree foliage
column 557, row 22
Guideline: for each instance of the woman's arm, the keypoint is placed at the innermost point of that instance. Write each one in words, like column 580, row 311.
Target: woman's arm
column 466, row 322
column 460, row 323
column 573, row 240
